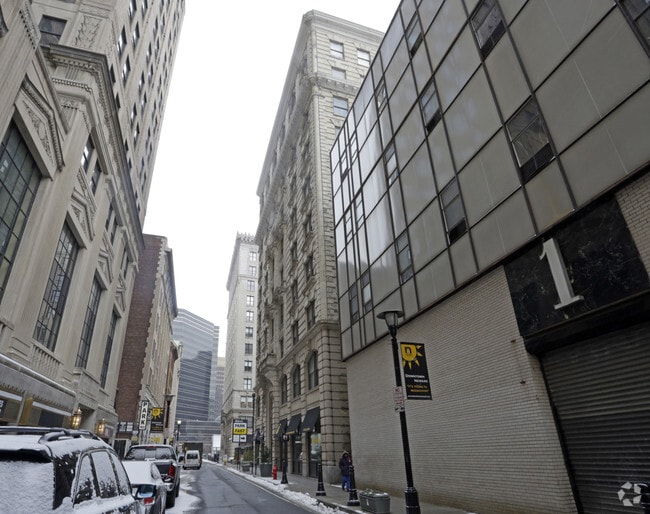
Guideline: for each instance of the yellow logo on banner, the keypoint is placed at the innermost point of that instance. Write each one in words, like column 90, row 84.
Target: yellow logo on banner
column 410, row 354
column 156, row 412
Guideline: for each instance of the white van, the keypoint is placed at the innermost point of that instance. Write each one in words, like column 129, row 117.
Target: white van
column 192, row 459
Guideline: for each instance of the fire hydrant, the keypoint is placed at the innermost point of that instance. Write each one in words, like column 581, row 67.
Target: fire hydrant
column 274, row 471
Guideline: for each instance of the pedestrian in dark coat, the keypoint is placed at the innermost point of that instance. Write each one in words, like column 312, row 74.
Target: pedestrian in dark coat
column 344, row 465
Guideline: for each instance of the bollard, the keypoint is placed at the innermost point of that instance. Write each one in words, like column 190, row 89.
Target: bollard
column 321, row 488
column 353, row 499
column 284, row 473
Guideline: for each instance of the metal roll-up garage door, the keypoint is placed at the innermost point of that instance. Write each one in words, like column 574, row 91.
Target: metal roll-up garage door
column 600, row 389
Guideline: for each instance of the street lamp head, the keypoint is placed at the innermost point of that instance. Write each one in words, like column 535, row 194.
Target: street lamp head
column 391, row 318
column 178, row 422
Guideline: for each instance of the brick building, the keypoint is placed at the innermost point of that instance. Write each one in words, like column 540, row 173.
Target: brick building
column 491, row 182
column 149, row 370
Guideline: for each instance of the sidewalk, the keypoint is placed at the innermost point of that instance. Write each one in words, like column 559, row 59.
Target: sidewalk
column 334, row 497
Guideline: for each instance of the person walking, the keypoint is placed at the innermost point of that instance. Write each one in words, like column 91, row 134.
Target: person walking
column 344, row 465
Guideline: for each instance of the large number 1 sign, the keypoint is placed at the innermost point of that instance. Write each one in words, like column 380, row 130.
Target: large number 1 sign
column 551, row 252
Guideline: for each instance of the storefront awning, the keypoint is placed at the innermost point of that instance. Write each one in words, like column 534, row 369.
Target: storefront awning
column 294, row 425
column 281, row 428
column 311, row 418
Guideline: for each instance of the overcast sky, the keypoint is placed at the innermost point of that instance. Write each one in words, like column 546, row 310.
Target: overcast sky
column 230, row 68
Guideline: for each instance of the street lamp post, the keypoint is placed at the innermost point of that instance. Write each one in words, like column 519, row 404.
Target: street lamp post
column 410, row 494
column 254, row 438
column 178, row 432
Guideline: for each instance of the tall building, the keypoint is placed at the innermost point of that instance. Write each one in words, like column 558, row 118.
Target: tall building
column 301, row 379
column 196, row 401
column 492, row 181
column 82, row 95
column 239, row 372
column 148, row 376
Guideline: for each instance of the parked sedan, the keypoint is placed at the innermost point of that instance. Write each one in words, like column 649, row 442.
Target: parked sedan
column 148, row 485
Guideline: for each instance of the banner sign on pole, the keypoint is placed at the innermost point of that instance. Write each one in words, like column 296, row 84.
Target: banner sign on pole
column 157, row 419
column 416, row 374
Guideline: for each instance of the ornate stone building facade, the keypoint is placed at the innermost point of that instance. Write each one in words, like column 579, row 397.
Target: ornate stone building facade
column 239, row 373
column 301, row 380
column 82, row 94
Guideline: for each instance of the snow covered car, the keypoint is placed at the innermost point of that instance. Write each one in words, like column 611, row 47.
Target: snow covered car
column 147, row 485
column 57, row 469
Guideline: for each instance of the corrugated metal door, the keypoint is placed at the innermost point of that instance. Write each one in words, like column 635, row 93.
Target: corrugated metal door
column 601, row 392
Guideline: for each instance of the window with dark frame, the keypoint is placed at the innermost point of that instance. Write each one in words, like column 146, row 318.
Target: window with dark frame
column 413, row 35
column 88, row 327
column 308, row 224
column 108, row 349
column 363, row 57
column 336, row 49
column 488, row 25
column 353, row 298
column 19, row 181
column 310, row 314
column 50, row 314
column 390, row 160
column 312, row 370
column 121, row 42
column 529, row 140
column 359, row 212
column 132, row 9
column 294, row 291
column 295, row 379
column 430, row 107
column 309, row 267
column 51, row 30
column 381, row 96
column 366, row 292
column 248, row 332
column 453, row 211
column 347, row 225
column 404, row 261
column 340, row 106
column 283, row 390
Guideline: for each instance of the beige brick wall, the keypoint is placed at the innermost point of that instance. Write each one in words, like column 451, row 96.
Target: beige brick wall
column 634, row 200
column 487, row 440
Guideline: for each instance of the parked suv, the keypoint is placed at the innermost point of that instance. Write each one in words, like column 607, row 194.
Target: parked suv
column 164, row 456
column 56, row 469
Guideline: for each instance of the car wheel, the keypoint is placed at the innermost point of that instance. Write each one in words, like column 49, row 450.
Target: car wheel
column 171, row 500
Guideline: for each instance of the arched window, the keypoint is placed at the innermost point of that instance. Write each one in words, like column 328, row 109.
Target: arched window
column 296, row 382
column 283, row 390
column 312, row 371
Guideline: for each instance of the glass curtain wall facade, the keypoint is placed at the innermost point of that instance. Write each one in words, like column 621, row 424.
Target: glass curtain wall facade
column 492, row 153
